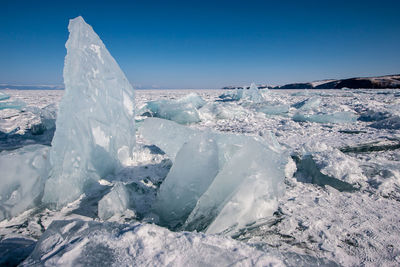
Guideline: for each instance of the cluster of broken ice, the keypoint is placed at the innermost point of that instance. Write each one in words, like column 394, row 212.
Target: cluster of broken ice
column 269, row 108
column 307, row 110
column 218, row 182
column 387, row 118
column 183, row 110
column 234, row 95
column 252, row 99
column 252, row 94
column 6, row 103
column 222, row 111
column 307, row 104
column 89, row 142
column 4, row 96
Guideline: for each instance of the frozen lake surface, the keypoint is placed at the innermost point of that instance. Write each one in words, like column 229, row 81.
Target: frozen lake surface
column 341, row 202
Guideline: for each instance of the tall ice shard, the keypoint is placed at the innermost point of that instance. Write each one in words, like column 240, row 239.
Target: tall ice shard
column 95, row 125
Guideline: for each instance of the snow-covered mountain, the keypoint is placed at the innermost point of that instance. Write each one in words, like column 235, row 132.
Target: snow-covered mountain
column 378, row 82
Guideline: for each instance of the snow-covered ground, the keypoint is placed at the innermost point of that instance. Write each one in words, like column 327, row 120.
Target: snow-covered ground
column 341, row 204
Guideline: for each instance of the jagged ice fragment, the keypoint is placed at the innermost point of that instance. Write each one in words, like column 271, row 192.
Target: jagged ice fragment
column 114, row 203
column 183, row 110
column 95, row 125
column 23, row 174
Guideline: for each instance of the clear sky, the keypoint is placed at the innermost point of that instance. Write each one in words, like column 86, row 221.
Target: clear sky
column 206, row 44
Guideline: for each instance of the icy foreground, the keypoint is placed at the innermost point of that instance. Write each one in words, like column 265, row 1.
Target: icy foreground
column 95, row 125
column 80, row 243
column 350, row 227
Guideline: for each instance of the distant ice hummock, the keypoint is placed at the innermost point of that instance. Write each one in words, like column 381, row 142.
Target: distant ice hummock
column 95, row 125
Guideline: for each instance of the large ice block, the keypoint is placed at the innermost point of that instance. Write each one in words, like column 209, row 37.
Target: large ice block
column 245, row 190
column 195, row 167
column 95, row 124
column 23, row 174
column 232, row 180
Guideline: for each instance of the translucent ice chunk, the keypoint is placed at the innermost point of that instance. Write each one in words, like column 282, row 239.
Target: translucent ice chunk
column 194, row 99
column 170, row 137
column 221, row 111
column 244, row 191
column 308, row 104
column 230, row 111
column 4, row 96
column 226, row 166
column 23, row 174
column 17, row 104
column 47, row 115
column 167, row 135
column 195, row 167
column 183, row 110
column 273, row 109
column 95, row 119
column 114, row 203
column 182, row 113
column 235, row 95
column 304, row 92
column 253, row 94
column 338, row 117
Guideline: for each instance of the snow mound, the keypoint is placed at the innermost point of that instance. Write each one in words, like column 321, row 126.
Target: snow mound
column 81, row 243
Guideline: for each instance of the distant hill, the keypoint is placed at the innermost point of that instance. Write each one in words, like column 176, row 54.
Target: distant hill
column 31, row 87
column 378, row 82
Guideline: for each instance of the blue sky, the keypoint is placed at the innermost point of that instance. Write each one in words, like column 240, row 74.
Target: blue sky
column 206, row 44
